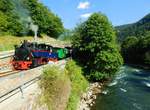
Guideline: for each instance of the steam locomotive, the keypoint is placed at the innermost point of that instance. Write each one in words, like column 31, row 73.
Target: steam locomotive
column 29, row 55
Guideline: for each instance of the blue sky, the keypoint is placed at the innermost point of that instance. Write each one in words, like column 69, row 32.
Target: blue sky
column 118, row 11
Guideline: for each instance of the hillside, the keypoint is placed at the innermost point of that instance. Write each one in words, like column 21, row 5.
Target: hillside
column 137, row 29
column 24, row 17
column 135, row 41
column 13, row 40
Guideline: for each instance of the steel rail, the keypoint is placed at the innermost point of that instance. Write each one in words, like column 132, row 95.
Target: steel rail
column 4, row 74
column 6, row 54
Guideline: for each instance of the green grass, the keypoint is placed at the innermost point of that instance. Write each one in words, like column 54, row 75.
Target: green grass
column 55, row 87
column 63, row 88
column 78, row 84
column 7, row 42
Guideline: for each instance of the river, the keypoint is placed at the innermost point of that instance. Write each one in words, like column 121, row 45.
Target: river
column 129, row 90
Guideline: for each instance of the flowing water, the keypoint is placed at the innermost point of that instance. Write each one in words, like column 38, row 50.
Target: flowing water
column 130, row 90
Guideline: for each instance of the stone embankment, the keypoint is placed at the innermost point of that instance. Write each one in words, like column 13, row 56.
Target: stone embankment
column 88, row 99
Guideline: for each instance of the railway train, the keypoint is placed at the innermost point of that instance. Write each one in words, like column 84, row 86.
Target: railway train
column 29, row 55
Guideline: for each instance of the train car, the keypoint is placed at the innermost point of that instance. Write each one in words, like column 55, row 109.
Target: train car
column 29, row 55
column 61, row 52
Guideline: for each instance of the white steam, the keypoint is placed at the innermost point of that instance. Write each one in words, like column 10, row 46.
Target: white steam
column 34, row 28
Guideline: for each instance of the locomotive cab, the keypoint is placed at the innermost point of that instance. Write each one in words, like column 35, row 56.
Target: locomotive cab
column 22, row 56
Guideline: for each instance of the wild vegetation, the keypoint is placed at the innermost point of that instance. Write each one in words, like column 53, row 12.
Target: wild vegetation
column 16, row 17
column 137, row 50
column 55, row 86
column 135, row 41
column 48, row 22
column 9, row 21
column 78, row 84
column 13, row 40
column 137, row 29
column 96, row 48
column 63, row 88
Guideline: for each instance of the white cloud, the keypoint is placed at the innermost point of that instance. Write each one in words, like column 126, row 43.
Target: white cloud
column 83, row 5
column 86, row 15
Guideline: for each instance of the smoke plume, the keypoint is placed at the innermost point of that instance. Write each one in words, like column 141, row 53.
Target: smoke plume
column 25, row 18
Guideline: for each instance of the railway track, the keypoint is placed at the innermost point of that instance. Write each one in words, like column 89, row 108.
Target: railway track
column 5, row 62
column 3, row 74
column 7, row 54
column 5, row 67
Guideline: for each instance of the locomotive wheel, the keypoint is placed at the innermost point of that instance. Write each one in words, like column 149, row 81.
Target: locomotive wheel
column 34, row 63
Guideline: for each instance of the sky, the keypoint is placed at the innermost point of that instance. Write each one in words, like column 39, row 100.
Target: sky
column 119, row 12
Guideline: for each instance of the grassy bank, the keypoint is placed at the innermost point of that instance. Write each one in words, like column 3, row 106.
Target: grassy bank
column 61, row 89
column 8, row 42
column 55, row 87
column 78, row 84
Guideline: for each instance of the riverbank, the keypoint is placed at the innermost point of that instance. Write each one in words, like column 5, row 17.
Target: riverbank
column 87, row 100
column 145, row 67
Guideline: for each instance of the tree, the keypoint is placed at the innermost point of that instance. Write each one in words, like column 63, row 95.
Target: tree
column 137, row 29
column 9, row 21
column 130, row 49
column 6, row 6
column 14, row 16
column 144, row 47
column 136, row 50
column 48, row 22
column 3, row 22
column 95, row 45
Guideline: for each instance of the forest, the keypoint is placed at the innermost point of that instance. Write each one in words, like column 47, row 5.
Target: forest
column 135, row 41
column 17, row 16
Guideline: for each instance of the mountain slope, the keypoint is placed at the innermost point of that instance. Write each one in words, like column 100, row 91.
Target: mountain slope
column 23, row 17
column 137, row 29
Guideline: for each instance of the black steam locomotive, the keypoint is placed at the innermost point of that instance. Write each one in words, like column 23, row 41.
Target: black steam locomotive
column 30, row 55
